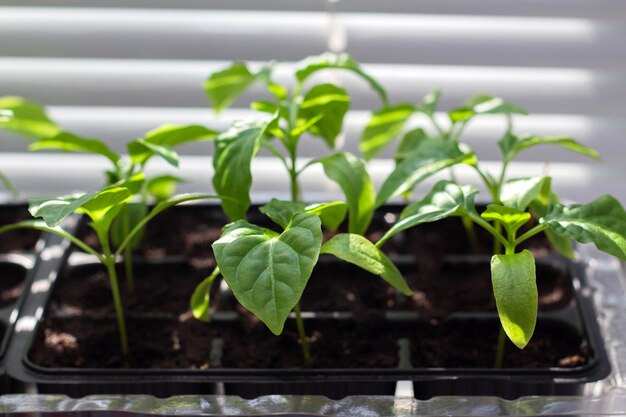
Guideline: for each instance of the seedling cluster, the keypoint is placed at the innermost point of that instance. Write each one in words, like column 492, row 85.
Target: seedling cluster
column 267, row 270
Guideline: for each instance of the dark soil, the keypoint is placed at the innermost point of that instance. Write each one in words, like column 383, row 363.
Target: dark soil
column 11, row 283
column 22, row 240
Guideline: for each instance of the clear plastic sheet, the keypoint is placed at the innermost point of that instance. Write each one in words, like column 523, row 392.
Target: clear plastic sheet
column 603, row 398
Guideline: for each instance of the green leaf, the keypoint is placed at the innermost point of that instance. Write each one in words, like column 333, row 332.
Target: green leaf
column 350, row 174
column 603, row 222
column 163, row 186
column 332, row 214
column 511, row 145
column 512, row 219
column 383, row 127
column 69, row 142
column 409, row 143
column 343, row 61
column 515, row 290
column 431, row 156
column 361, row 252
column 430, row 102
column 484, row 105
column 327, row 105
column 519, row 193
column 540, row 207
column 234, row 151
column 446, row 199
column 200, row 303
column 129, row 217
column 54, row 211
column 105, row 206
column 281, row 211
column 26, row 117
column 267, row 272
column 223, row 87
column 159, row 141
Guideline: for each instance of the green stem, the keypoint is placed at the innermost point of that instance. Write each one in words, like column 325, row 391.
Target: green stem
column 302, row 336
column 438, row 128
column 488, row 227
column 128, row 253
column 499, row 360
column 470, row 230
column 532, row 232
column 117, row 302
column 497, row 245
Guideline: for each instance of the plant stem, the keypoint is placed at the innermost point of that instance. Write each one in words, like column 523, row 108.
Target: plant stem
column 119, row 310
column 302, row 336
column 128, row 253
column 499, row 360
column 470, row 230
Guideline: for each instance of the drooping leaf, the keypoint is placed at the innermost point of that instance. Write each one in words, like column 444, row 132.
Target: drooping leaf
column 511, row 145
column 512, row 219
column 69, row 142
column 430, row 102
column 26, row 117
column 140, row 151
column 519, row 193
column 602, row 222
column 350, row 174
column 200, row 302
column 223, row 87
column 431, row 156
column 540, row 207
column 54, row 211
column 515, row 289
column 328, row 60
column 281, row 211
column 234, row 151
column 484, row 105
column 326, row 105
column 268, row 272
column 383, row 127
column 163, row 186
column 446, row 199
column 411, row 141
column 361, row 252
column 331, row 214
column 105, row 206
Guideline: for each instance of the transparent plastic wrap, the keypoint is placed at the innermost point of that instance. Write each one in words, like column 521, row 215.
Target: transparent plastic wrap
column 604, row 398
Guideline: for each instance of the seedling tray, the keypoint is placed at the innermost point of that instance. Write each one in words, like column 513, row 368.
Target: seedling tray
column 575, row 318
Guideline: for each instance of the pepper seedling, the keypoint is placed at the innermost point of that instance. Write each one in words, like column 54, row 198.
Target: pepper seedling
column 602, row 222
column 268, row 271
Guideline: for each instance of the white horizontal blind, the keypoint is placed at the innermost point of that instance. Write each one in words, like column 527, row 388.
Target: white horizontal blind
column 114, row 69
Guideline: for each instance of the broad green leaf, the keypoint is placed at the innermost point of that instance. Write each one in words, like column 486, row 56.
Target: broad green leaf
column 431, row 156
column 53, row 211
column 163, row 187
column 128, row 218
column 350, row 174
column 540, row 207
column 328, row 60
column 332, row 214
column 430, row 102
column 159, row 141
column 223, row 87
column 409, row 143
column 26, row 117
column 279, row 91
column 511, row 145
column 69, row 142
column 105, row 206
column 484, row 105
column 515, row 289
column 268, row 272
column 446, row 199
column 519, row 193
column 234, row 151
column 383, row 127
column 603, row 222
column 512, row 219
column 281, row 211
column 327, row 105
column 361, row 252
column 200, row 303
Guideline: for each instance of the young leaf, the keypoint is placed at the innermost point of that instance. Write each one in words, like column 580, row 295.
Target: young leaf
column 484, row 105
column 432, row 156
column 512, row 219
column 281, row 211
column 515, row 289
column 328, row 60
column 603, row 222
column 140, row 151
column 540, row 207
column 430, row 102
column 446, row 199
column 26, row 117
column 383, row 127
column 511, row 145
column 331, row 214
column 223, row 87
column 411, row 141
column 326, row 105
column 132, row 213
column 200, row 302
column 361, row 252
column 520, row 192
column 105, row 206
column 54, row 211
column 349, row 172
column 234, row 151
column 163, row 186
column 69, row 142
column 268, row 272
